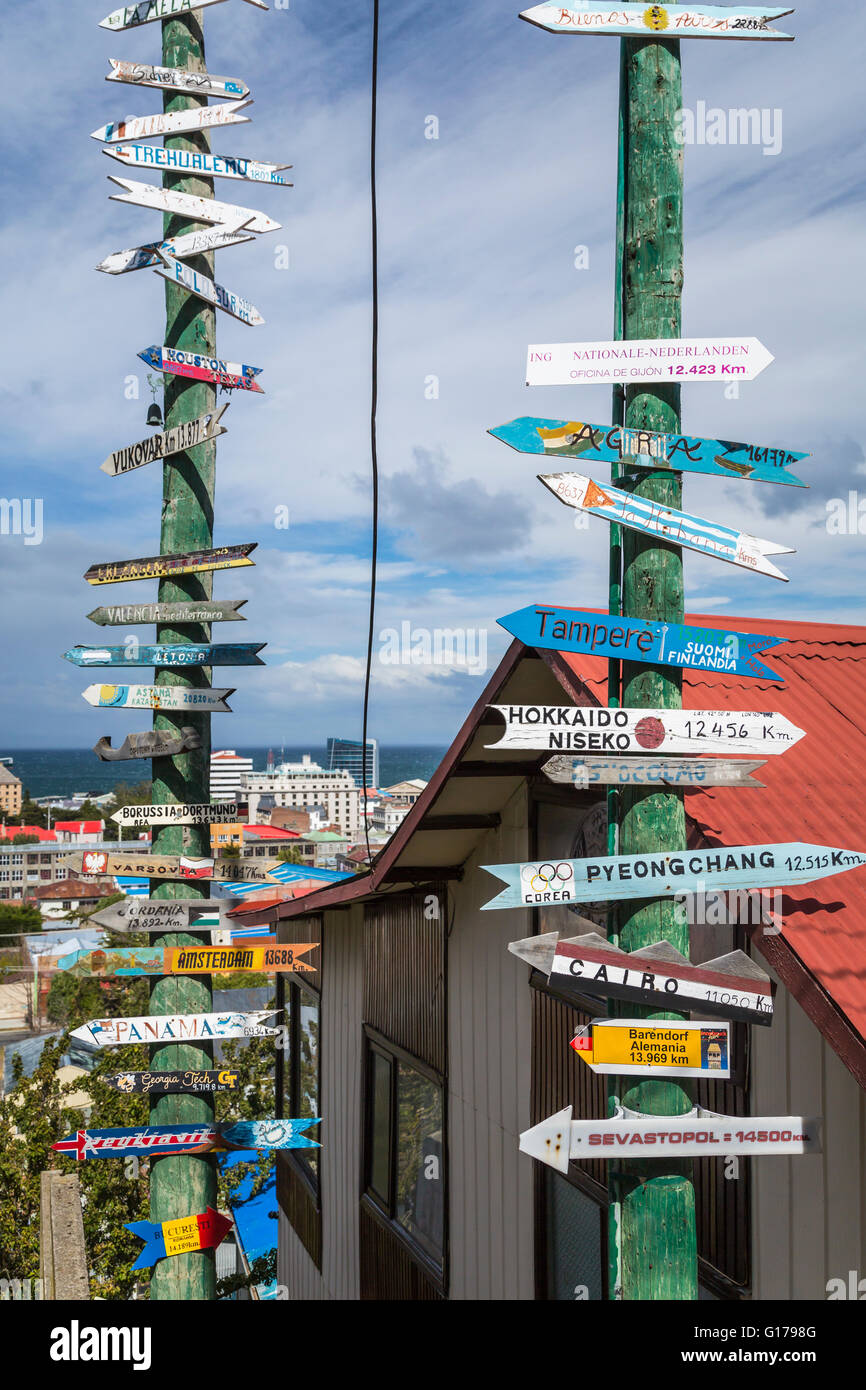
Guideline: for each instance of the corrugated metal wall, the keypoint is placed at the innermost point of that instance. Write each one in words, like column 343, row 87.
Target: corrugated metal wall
column 809, row 1213
column 490, row 1183
column 404, row 973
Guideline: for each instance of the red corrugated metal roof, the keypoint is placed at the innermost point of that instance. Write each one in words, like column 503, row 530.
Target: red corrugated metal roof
column 80, row 827
column 8, row 832
column 814, row 791
column 270, row 832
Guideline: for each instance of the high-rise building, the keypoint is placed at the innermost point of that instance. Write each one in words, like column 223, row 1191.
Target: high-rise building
column 10, row 792
column 345, row 755
column 226, row 771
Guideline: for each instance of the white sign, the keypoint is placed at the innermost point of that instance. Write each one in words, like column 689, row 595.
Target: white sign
column 645, row 360
column 700, row 1134
column 157, row 697
column 149, row 195
column 190, row 244
column 200, row 84
column 192, row 162
column 591, row 729
column 178, row 273
column 130, row 16
column 177, row 813
column 173, row 122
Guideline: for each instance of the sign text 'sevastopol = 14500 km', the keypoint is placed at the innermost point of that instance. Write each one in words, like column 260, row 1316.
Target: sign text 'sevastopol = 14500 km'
column 666, row 873
column 635, row 639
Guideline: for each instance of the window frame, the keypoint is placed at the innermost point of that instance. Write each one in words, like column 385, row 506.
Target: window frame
column 288, row 997
column 377, row 1043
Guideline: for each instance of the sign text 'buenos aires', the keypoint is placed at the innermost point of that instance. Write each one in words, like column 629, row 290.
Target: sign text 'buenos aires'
column 640, row 20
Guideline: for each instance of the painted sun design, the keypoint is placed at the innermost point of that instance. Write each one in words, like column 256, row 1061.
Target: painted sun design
column 655, row 17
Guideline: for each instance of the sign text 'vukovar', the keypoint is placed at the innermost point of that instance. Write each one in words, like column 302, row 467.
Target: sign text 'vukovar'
column 635, row 448
column 159, row 446
column 638, row 21
column 595, row 729
column 176, row 1028
column 666, row 873
column 635, row 639
column 732, row 986
column 700, row 1134
column 645, row 359
column 150, row 1140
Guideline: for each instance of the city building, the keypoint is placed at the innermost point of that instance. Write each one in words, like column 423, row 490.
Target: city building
column 25, row 867
column 227, row 769
column 305, row 788
column 388, row 813
column 344, row 754
column 409, row 790
column 76, row 832
column 71, row 894
column 35, row 832
column 10, row 793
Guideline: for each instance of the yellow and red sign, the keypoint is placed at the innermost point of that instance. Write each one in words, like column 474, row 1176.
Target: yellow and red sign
column 637, row 1046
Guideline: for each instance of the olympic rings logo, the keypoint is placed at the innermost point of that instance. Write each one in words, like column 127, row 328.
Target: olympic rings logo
column 539, row 876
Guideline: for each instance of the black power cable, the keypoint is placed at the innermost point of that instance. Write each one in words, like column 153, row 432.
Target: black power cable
column 374, row 394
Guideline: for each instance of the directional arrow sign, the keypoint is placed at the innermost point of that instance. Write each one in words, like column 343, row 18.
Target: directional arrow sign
column 691, row 773
column 700, row 1134
column 175, row 1028
column 148, row 1140
column 208, row 290
column 682, row 453
column 666, row 523
column 173, row 122
column 226, row 166
column 164, row 566
column 189, row 205
column 645, row 21
column 594, row 729
column 169, row 654
column 639, row 1047
column 635, row 639
column 179, row 80
column 154, row 743
column 174, row 866
column 166, row 442
column 172, row 1083
column 204, row 611
column 184, row 960
column 645, row 359
column 179, row 1236
column 176, row 813
column 666, row 873
column 232, row 376
column 657, row 976
column 158, row 697
column 190, row 244
column 130, row 16
column 158, row 915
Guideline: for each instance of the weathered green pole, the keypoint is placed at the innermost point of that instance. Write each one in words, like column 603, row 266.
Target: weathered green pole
column 654, row 1241
column 182, row 1186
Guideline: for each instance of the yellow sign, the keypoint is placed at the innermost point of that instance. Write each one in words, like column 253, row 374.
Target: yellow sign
column 182, row 1235
column 655, row 17
column 633, row 1046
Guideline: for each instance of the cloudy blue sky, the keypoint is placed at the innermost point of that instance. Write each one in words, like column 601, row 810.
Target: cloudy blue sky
column 477, row 236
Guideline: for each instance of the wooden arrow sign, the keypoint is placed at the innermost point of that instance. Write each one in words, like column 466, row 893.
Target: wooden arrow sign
column 173, row 1083
column 190, row 244
column 666, row 523
column 108, row 961
column 666, row 874
column 694, row 774
column 158, row 697
column 594, row 729
column 657, row 976
column 99, row 863
column 645, row 359
column 176, row 1028
column 205, row 611
column 161, row 914
column 154, row 743
column 169, row 654
column 208, row 290
column 700, row 1134
column 130, row 16
column 166, row 442
column 179, row 1236
column 648, row 21
column 155, row 1140
column 635, row 639
column 639, row 1047
column 223, row 557
column 189, row 205
column 178, row 80
column 173, row 122
column 232, row 376
column 177, row 813
column 206, row 166
column 681, row 453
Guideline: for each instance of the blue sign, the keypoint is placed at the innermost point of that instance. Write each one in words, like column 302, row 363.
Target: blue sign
column 635, row 639
column 148, row 1141
column 135, row 653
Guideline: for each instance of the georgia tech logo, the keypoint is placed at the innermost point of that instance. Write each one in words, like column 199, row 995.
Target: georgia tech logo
column 655, row 17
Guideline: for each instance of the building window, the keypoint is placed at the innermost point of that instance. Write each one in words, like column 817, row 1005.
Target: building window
column 404, row 1150
column 575, row 1257
column 298, row 1067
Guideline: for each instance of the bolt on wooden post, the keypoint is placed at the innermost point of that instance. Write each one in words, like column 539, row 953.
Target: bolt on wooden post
column 181, row 1186
column 653, row 1243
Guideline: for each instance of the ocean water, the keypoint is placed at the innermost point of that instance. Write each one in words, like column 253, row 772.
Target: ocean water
column 64, row 771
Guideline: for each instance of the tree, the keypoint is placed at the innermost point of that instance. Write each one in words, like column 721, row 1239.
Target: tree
column 22, row 838
column 16, row 919
column 289, row 855
column 124, row 794
column 31, row 814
